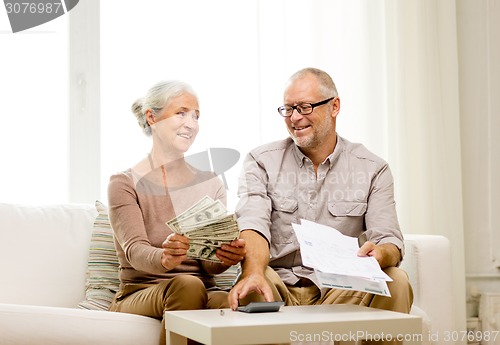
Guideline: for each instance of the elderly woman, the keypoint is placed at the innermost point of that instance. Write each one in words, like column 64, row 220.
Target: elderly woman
column 155, row 273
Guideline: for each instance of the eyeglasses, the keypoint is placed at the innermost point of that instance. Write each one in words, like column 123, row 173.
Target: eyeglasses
column 302, row 109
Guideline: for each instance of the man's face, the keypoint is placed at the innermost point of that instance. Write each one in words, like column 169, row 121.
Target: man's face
column 308, row 131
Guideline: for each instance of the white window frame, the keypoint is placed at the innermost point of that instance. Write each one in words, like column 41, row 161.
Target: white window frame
column 84, row 93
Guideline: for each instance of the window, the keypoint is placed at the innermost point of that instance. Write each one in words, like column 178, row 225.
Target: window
column 34, row 130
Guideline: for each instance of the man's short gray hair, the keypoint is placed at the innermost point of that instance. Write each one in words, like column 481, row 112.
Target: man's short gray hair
column 327, row 87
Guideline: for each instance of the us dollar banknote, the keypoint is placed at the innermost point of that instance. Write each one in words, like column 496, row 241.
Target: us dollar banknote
column 208, row 226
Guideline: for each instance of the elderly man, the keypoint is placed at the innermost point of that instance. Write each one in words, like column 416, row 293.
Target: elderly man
column 316, row 175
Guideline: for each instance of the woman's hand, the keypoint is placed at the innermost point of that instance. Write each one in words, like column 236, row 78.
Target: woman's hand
column 174, row 251
column 233, row 253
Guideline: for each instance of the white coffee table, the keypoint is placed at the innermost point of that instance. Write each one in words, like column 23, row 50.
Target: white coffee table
column 290, row 324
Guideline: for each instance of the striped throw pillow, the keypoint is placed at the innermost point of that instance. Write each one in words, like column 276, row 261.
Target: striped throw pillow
column 102, row 271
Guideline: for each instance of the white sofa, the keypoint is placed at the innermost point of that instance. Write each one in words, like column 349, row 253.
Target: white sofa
column 44, row 254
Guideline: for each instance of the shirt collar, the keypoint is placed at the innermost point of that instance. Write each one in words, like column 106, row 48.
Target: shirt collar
column 339, row 148
column 331, row 158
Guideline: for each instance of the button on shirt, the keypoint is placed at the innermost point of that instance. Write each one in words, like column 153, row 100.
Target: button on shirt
column 352, row 192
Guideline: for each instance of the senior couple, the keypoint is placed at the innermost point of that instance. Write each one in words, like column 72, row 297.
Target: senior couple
column 281, row 183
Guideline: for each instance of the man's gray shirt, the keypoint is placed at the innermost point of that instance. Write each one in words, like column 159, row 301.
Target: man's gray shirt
column 353, row 192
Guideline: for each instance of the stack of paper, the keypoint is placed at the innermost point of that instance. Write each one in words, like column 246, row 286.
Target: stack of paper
column 207, row 226
column 333, row 256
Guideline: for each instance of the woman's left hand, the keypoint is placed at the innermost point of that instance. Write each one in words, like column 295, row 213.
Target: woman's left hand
column 233, row 253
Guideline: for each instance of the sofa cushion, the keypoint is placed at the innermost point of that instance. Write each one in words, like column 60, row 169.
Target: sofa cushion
column 226, row 279
column 20, row 325
column 102, row 272
column 43, row 253
column 427, row 261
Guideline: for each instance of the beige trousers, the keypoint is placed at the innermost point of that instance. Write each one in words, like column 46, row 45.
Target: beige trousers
column 183, row 292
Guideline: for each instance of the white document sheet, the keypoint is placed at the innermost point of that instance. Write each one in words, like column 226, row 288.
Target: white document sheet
column 333, row 256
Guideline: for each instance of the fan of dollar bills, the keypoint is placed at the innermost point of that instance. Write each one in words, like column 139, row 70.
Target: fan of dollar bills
column 208, row 226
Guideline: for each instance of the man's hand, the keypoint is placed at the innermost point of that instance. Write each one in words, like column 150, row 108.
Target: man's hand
column 253, row 283
column 174, row 250
column 387, row 254
column 253, row 267
column 233, row 253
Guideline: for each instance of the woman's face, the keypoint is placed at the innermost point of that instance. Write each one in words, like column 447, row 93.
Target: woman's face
column 177, row 126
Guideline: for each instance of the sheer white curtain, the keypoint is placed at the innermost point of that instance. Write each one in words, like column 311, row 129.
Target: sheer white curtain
column 344, row 38
column 424, row 125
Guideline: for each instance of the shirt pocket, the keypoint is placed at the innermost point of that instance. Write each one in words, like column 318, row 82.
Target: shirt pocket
column 283, row 215
column 348, row 216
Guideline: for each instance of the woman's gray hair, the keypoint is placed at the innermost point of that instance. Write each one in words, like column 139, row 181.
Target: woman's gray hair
column 157, row 98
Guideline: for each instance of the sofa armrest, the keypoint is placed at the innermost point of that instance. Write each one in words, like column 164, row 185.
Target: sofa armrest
column 428, row 263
